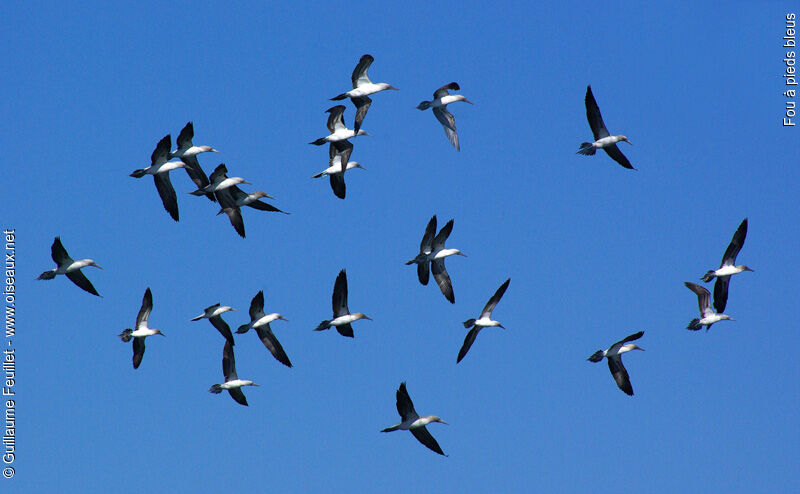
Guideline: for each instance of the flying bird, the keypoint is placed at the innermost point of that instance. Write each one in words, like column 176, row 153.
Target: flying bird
column 341, row 314
column 362, row 88
column 727, row 268
column 602, row 139
column 411, row 421
column 232, row 198
column 442, row 98
column 232, row 382
column 69, row 267
column 187, row 152
column 485, row 320
column 214, row 316
column 707, row 315
column 338, row 130
column 260, row 322
column 335, row 172
column 142, row 331
column 159, row 168
column 614, row 356
column 432, row 250
column 219, row 180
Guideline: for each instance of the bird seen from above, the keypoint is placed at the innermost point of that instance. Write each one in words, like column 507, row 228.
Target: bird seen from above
column 484, row 321
column 69, row 267
column 727, row 268
column 411, row 421
column 442, row 98
column 362, row 88
column 613, row 354
column 232, row 382
column 214, row 315
column 602, row 139
column 260, row 322
column 707, row 315
column 159, row 168
column 341, row 314
column 142, row 331
column 432, row 250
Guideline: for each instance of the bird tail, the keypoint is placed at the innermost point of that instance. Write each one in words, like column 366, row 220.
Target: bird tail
column 587, row 149
column 340, row 97
column 694, row 324
column 138, row 173
column 319, row 142
column 708, row 276
column 216, row 389
column 243, row 329
column 469, row 323
column 318, row 175
column 198, row 192
column 596, row 356
column 392, row 428
column 197, row 318
column 47, row 275
column 126, row 335
column 424, row 105
column 323, row 325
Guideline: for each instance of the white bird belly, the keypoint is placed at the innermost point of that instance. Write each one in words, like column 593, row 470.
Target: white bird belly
column 343, row 320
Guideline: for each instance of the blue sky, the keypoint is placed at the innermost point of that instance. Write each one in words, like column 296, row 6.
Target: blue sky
column 594, row 252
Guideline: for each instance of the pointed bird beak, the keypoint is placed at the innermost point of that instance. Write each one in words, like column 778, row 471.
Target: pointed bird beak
column 282, row 318
column 443, row 422
column 392, row 87
column 102, row 268
column 468, row 101
column 367, row 317
column 629, row 142
column 501, row 326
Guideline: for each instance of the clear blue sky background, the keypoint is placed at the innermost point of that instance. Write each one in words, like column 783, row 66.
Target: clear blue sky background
column 594, row 252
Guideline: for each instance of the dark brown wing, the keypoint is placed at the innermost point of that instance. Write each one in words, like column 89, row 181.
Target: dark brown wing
column 593, row 115
column 273, row 345
column 167, row 194
column 617, row 156
column 620, row 374
column 339, row 299
column 82, row 281
column 423, row 436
